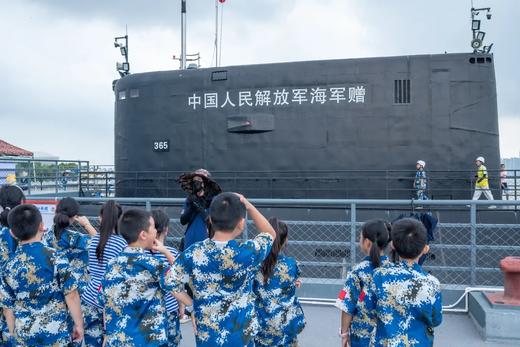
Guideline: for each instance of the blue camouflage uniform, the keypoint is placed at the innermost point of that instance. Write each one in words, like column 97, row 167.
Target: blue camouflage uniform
column 33, row 285
column 132, row 293
column 421, row 185
column 408, row 305
column 7, row 245
column 7, row 248
column 279, row 312
column 352, row 300
column 221, row 276
column 74, row 245
column 172, row 306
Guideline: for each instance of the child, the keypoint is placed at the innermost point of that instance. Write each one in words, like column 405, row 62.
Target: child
column 134, row 286
column 220, row 272
column 357, row 322
column 162, row 222
column 10, row 197
column 407, row 300
column 103, row 247
column 36, row 287
column 279, row 312
column 73, row 243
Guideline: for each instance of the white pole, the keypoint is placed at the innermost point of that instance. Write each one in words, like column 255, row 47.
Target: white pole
column 220, row 35
column 183, row 34
column 216, row 33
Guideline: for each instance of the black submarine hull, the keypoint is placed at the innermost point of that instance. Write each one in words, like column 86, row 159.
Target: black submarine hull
column 357, row 120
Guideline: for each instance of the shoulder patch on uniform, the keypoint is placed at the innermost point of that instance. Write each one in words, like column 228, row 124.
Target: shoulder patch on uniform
column 362, row 296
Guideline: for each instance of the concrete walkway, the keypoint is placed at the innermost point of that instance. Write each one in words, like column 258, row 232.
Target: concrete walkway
column 457, row 330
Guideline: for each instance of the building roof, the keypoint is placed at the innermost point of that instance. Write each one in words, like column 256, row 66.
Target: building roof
column 7, row 149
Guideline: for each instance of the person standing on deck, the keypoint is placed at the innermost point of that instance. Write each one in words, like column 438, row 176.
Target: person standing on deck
column 420, row 182
column 503, row 180
column 482, row 182
column 201, row 189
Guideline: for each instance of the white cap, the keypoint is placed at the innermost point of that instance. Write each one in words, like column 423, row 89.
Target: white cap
column 481, row 159
column 202, row 172
column 421, row 162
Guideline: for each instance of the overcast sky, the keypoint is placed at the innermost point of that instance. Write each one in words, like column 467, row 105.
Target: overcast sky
column 57, row 59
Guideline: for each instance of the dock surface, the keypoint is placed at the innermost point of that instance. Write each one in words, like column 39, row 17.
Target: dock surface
column 456, row 330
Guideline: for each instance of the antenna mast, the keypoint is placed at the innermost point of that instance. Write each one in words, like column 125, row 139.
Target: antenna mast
column 183, row 34
column 216, row 33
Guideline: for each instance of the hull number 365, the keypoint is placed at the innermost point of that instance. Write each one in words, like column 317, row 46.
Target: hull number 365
column 161, row 146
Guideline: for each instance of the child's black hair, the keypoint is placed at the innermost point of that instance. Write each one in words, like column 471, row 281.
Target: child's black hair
column 132, row 222
column 377, row 231
column 409, row 238
column 66, row 209
column 10, row 197
column 24, row 221
column 161, row 219
column 110, row 213
column 281, row 236
column 226, row 211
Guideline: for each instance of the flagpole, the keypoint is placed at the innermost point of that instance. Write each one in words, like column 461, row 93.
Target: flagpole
column 220, row 32
column 216, row 33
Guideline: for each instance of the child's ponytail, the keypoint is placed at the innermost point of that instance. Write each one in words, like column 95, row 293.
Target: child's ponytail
column 66, row 209
column 281, row 236
column 378, row 232
column 375, row 254
column 110, row 213
column 61, row 222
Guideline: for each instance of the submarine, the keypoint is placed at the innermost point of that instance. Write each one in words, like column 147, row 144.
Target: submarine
column 345, row 128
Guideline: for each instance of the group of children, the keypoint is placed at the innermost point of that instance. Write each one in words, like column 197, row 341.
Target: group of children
column 120, row 285
column 390, row 302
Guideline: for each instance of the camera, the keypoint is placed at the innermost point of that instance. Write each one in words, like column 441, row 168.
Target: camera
column 197, row 186
column 488, row 16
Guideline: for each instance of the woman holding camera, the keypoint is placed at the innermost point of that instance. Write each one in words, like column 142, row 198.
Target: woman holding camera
column 201, row 189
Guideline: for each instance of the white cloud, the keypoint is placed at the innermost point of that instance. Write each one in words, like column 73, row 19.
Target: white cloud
column 58, row 59
column 509, row 136
column 309, row 30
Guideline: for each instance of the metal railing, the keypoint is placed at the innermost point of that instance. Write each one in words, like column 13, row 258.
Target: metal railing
column 42, row 176
column 340, row 184
column 52, row 176
column 97, row 184
column 323, row 233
